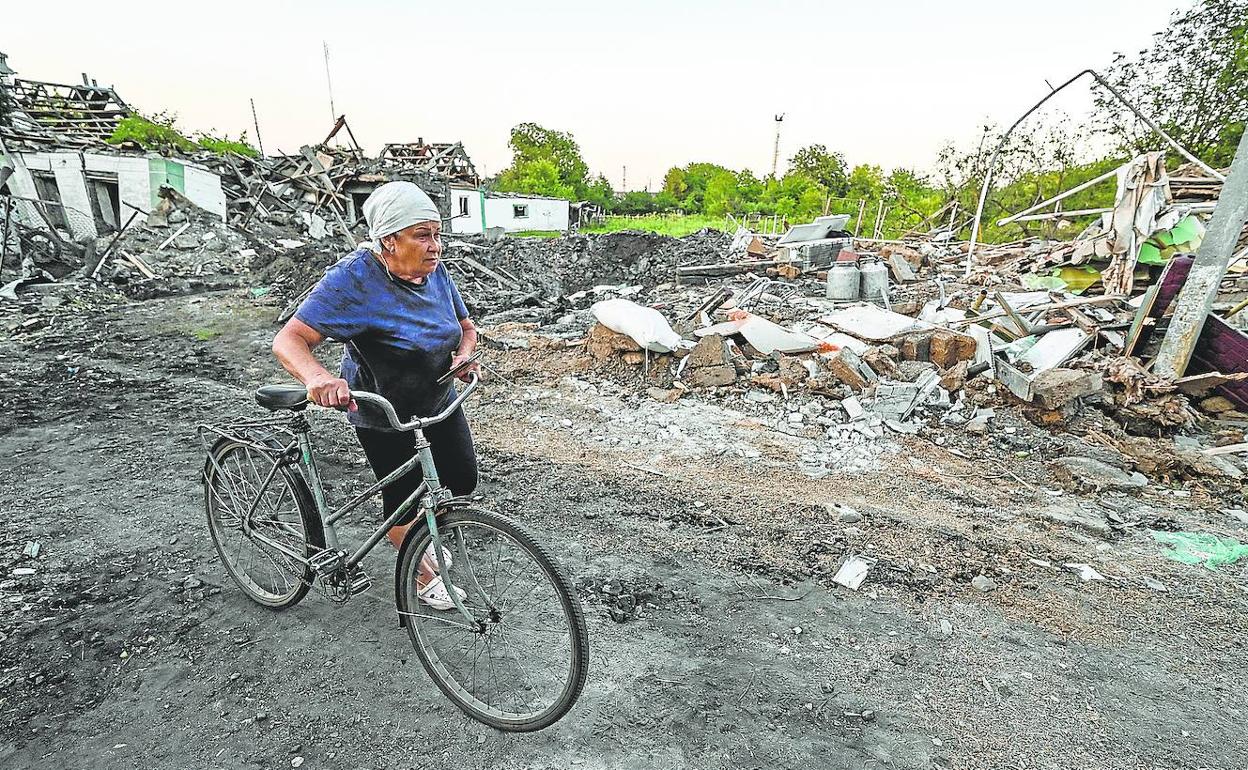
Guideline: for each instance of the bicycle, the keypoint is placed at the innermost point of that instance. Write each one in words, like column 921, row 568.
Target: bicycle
column 274, row 532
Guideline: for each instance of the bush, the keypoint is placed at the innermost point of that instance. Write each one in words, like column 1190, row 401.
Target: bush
column 156, row 133
column 160, row 133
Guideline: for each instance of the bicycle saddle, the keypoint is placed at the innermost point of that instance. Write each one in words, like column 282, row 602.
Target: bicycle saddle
column 274, row 397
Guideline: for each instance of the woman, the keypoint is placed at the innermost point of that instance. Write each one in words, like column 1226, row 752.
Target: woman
column 404, row 325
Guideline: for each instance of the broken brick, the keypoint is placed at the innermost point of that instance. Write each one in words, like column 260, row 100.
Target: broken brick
column 846, row 366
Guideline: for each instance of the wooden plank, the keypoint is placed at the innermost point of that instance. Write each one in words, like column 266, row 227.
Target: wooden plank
column 139, row 264
column 726, row 268
column 475, row 265
column 1229, row 449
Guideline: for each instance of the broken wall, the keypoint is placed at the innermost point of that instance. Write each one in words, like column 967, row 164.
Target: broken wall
column 138, row 178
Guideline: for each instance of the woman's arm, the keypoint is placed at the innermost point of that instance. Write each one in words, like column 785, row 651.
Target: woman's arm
column 467, row 346
column 293, row 347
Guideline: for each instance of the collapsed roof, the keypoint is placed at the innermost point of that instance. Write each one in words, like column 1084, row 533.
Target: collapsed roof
column 37, row 113
column 448, row 159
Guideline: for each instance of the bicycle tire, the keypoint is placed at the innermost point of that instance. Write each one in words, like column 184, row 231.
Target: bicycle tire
column 313, row 534
column 414, row 545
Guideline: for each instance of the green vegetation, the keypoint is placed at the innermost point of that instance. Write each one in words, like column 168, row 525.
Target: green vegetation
column 675, row 225
column 224, row 145
column 155, row 133
column 160, row 133
column 1193, row 79
column 204, row 334
column 537, row 234
column 546, row 162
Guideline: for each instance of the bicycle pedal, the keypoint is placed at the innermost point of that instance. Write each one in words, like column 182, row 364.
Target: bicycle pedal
column 360, row 583
column 326, row 562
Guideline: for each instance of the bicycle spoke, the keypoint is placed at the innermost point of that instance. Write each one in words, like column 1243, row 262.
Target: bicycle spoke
column 521, row 661
column 269, row 571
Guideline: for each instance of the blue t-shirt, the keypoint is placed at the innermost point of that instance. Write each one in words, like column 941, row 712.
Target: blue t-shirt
column 400, row 335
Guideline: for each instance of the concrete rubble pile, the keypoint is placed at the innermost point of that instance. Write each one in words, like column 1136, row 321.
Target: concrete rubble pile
column 847, row 340
column 319, row 191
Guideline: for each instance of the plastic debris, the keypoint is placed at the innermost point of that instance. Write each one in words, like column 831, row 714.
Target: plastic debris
column 1210, row 551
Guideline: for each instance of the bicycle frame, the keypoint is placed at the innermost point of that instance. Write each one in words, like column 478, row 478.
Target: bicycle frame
column 430, row 495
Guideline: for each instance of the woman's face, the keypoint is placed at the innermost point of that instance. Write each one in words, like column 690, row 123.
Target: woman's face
column 419, row 247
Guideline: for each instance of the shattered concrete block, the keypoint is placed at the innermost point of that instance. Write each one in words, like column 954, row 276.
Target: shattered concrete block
column 881, row 362
column 911, row 371
column 709, row 364
column 916, row 347
column 793, row 370
column 946, row 348
column 912, row 257
column 846, row 366
column 602, row 343
column 953, row 379
column 1055, row 388
column 894, row 399
column 901, row 269
column 667, row 396
column 711, row 350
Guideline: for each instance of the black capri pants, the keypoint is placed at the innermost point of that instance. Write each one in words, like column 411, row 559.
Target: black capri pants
column 453, row 456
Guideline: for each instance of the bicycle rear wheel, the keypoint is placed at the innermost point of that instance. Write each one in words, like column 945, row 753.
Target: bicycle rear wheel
column 268, row 558
column 521, row 663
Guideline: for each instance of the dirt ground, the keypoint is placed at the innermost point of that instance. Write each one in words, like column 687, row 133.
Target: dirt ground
column 130, row 648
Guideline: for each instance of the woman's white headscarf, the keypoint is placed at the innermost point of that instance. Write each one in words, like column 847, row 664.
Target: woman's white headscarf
column 394, row 206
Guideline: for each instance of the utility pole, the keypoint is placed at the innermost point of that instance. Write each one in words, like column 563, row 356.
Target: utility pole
column 256, row 121
column 775, row 154
column 624, row 182
column 333, row 114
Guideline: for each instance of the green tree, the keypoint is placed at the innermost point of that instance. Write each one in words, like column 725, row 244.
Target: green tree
column 636, row 202
column 826, row 168
column 1192, row 80
column 665, row 201
column 692, row 184
column 545, row 162
column 599, row 192
column 1038, row 162
column 865, row 181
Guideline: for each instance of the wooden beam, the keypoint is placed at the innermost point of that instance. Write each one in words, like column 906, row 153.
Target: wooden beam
column 1195, row 299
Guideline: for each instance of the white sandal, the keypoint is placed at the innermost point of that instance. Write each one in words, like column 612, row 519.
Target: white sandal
column 435, row 595
column 433, row 559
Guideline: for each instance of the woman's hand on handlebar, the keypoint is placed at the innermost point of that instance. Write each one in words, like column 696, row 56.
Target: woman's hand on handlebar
column 330, row 391
column 474, row 367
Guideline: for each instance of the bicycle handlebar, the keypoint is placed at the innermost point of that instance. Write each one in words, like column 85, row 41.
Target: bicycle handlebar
column 419, row 423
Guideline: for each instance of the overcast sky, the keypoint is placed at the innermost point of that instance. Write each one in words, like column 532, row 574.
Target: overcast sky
column 646, row 84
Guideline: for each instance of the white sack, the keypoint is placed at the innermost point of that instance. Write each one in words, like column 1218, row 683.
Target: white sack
column 645, row 325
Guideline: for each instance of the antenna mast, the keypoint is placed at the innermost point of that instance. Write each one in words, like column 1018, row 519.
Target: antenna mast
column 333, row 114
column 775, row 155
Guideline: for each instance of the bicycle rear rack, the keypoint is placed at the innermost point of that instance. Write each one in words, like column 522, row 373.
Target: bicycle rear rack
column 272, row 436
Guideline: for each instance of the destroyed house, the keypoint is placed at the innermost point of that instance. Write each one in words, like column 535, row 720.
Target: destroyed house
column 445, row 159
column 65, row 176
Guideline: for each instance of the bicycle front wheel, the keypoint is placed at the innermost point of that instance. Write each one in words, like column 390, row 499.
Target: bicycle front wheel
column 520, row 662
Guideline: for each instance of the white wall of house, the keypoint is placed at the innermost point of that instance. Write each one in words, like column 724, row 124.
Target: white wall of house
column 516, row 214
column 204, row 189
column 511, row 214
column 136, row 175
column 465, row 211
